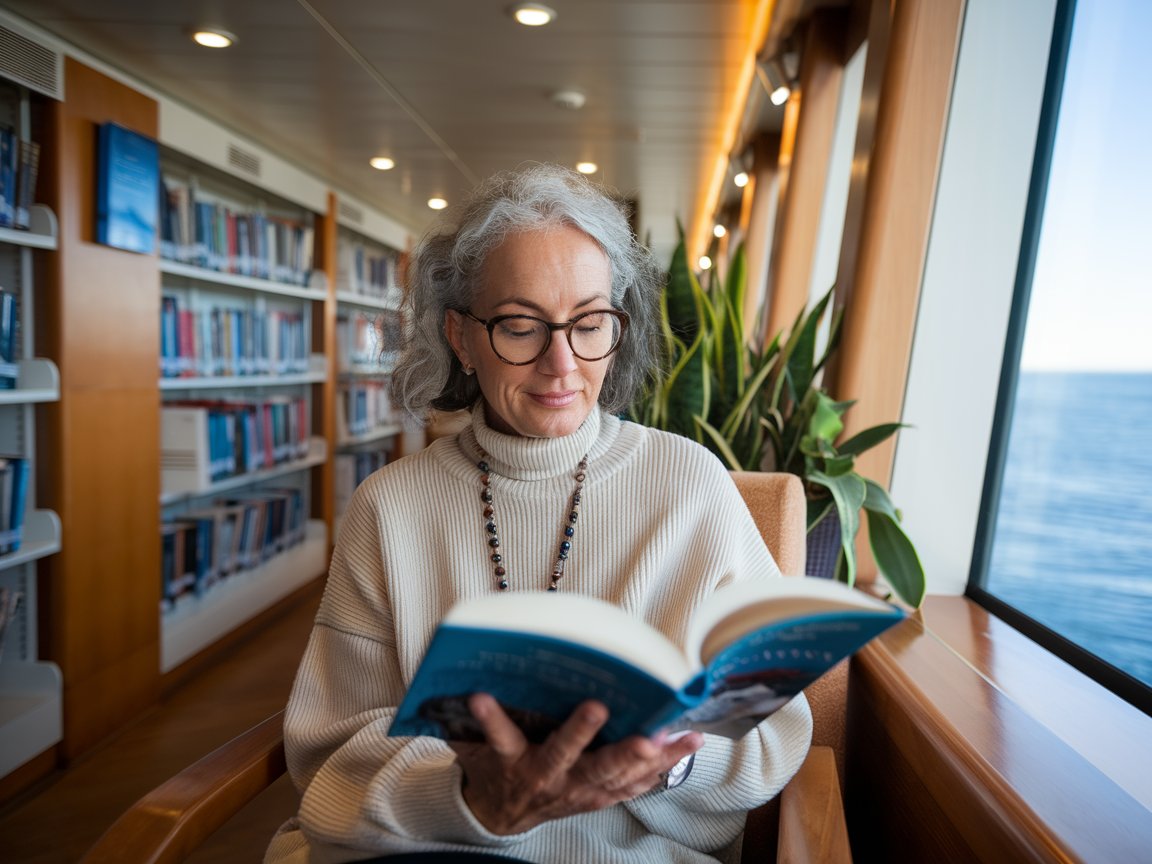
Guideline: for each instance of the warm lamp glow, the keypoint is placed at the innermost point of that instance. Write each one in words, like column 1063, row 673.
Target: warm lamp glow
column 533, row 14
column 741, row 179
column 382, row 163
column 587, row 167
column 719, row 231
column 705, row 262
column 437, row 203
column 213, row 38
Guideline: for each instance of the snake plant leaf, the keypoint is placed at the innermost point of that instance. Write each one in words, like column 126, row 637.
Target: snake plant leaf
column 869, row 438
column 834, row 331
column 687, row 390
column 720, row 444
column 802, row 356
column 848, row 491
column 896, row 557
column 750, row 396
column 817, row 509
column 682, row 295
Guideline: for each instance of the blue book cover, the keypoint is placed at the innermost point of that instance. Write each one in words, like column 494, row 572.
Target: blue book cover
column 127, row 189
column 17, row 504
column 750, row 649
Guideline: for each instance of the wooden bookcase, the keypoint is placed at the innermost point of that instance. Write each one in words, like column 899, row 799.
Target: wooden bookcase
column 30, row 687
column 99, row 634
column 238, row 299
column 369, row 430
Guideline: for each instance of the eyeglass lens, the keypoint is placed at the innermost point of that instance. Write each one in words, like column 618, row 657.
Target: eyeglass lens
column 521, row 339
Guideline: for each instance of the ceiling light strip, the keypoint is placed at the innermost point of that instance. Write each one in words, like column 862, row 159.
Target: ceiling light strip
column 702, row 226
column 386, row 85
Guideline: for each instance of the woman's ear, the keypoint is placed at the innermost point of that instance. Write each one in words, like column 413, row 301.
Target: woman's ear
column 454, row 333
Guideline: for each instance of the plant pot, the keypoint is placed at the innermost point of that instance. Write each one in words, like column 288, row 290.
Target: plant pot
column 824, row 546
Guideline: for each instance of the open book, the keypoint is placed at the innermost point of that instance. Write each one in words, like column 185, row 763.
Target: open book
column 750, row 648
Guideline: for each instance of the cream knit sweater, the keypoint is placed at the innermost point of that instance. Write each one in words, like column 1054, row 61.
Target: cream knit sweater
column 661, row 526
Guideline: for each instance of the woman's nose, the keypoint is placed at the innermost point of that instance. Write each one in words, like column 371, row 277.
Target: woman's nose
column 557, row 358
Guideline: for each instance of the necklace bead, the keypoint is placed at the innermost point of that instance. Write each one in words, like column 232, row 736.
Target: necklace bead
column 568, row 530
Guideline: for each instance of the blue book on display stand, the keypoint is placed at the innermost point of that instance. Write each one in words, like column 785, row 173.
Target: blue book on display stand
column 127, row 189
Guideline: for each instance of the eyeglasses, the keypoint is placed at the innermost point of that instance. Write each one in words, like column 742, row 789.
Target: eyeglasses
column 522, row 339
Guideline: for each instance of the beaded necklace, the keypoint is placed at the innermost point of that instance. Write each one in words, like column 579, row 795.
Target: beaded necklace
column 494, row 539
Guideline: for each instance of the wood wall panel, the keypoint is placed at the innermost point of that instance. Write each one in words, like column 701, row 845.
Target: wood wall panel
column 100, row 323
column 881, row 309
column 324, row 395
column 946, row 764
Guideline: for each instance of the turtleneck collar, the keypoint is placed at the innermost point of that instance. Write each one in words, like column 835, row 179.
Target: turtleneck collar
column 523, row 458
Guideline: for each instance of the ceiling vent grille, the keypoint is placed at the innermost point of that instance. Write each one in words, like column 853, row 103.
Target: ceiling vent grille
column 244, row 161
column 28, row 63
column 350, row 213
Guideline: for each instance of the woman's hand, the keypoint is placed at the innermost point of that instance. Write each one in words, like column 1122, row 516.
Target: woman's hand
column 512, row 785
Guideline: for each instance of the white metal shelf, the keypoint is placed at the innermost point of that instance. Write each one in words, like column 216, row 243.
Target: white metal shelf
column 317, row 455
column 316, row 374
column 351, row 298
column 30, row 711
column 41, row 234
column 41, row 538
column 316, row 291
column 389, row 430
column 197, row 622
column 38, row 381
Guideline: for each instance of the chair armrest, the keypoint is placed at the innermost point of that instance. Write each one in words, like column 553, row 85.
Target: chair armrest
column 168, row 823
column 812, row 825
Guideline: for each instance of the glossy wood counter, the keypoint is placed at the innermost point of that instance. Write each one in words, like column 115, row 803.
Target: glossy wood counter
column 967, row 742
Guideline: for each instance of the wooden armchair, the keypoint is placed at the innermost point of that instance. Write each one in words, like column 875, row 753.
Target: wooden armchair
column 171, row 821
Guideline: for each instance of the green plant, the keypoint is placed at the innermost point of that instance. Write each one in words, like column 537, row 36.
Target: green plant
column 763, row 409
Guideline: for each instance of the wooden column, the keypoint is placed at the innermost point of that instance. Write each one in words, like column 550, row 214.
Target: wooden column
column 880, row 312
column 821, row 71
column 761, row 225
column 100, row 445
column 324, row 395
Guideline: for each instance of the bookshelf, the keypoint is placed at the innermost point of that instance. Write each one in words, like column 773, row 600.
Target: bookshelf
column 240, row 376
column 30, row 688
column 369, row 429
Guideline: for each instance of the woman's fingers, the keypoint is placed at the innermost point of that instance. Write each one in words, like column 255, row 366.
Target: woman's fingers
column 501, row 733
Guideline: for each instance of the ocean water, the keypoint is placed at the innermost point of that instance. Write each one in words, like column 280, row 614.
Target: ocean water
column 1073, row 541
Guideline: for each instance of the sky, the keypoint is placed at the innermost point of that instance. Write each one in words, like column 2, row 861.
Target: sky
column 1091, row 306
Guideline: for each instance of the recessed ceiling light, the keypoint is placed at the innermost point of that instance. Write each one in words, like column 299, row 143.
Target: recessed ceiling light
column 705, row 262
column 719, row 231
column 741, row 179
column 780, row 95
column 382, row 163
column 587, row 167
column 213, row 37
column 533, row 14
column 437, row 203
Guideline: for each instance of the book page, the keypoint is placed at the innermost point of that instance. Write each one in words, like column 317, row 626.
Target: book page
column 583, row 620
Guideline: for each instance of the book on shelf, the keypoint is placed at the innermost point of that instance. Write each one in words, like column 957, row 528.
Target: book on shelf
column 127, row 189
column 9, row 367
column 751, row 647
column 206, row 231
column 19, row 168
column 13, row 502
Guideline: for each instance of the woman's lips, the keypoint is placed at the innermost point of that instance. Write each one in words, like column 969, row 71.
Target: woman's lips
column 555, row 400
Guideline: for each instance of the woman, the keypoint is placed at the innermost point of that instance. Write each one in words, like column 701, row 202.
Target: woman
column 535, row 310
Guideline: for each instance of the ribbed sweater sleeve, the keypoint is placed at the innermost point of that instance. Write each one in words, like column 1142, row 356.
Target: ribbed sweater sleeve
column 661, row 526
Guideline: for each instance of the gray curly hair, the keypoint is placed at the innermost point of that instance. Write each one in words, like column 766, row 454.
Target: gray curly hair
column 446, row 267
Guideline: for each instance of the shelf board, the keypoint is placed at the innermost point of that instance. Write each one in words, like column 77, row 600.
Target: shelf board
column 41, row 538
column 351, row 298
column 317, row 455
column 197, row 622
column 235, row 280
column 41, row 233
column 380, row 432
column 313, row 376
column 30, row 712
column 38, row 381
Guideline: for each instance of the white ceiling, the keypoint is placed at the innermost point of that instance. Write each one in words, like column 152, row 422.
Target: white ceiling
column 453, row 90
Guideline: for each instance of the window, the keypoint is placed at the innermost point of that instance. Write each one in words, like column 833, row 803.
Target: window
column 1064, row 545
